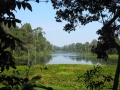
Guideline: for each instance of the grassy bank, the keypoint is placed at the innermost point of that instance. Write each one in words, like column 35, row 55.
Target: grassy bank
column 61, row 76
column 110, row 56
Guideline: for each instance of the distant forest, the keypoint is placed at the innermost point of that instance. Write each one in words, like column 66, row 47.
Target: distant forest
column 35, row 46
column 82, row 48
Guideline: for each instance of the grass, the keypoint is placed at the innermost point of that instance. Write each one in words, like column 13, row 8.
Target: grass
column 61, row 76
column 113, row 56
column 110, row 56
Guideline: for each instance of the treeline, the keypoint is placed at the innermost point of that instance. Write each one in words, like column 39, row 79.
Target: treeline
column 77, row 47
column 80, row 47
column 34, row 44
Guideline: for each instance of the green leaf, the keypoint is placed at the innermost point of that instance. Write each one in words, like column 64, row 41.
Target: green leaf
column 29, row 6
column 36, row 78
column 44, row 87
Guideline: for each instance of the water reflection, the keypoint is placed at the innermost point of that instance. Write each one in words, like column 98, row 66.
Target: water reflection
column 44, row 59
column 39, row 60
column 76, row 58
column 66, row 58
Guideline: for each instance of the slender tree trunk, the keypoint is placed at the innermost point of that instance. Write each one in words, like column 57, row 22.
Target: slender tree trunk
column 116, row 78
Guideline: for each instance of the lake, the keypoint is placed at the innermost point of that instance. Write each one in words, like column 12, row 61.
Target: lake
column 75, row 58
column 67, row 58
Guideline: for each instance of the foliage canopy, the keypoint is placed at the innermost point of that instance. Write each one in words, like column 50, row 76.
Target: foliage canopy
column 8, row 43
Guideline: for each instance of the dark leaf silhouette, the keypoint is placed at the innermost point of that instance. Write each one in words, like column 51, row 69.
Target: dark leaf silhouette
column 24, row 5
column 28, row 6
column 14, row 23
column 19, row 5
column 9, row 23
column 37, row 1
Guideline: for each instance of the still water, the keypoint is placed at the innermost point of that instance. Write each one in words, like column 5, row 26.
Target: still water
column 67, row 58
column 75, row 58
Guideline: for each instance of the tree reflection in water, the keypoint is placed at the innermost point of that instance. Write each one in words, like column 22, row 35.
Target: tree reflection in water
column 67, row 58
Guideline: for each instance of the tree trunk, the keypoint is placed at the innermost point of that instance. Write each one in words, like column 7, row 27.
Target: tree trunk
column 105, row 28
column 116, row 78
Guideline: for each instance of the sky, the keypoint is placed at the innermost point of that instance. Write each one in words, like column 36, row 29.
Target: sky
column 43, row 15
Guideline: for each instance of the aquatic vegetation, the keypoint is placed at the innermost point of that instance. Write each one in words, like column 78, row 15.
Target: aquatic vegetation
column 61, row 76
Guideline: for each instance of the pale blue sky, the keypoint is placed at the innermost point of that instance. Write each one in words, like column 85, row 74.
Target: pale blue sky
column 43, row 16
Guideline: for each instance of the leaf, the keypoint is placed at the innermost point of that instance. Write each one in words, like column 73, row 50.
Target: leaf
column 11, row 13
column 12, row 44
column 13, row 6
column 29, row 6
column 44, row 87
column 7, row 67
column 26, row 80
column 17, row 20
column 23, row 5
column 14, row 67
column 9, row 23
column 37, row 1
column 14, row 23
column 19, row 5
column 5, row 22
column 36, row 78
column 2, row 68
column 8, row 12
column 6, row 45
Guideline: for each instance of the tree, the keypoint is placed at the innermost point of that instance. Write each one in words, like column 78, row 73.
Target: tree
column 8, row 43
column 79, row 47
column 86, row 46
column 94, row 42
column 83, row 12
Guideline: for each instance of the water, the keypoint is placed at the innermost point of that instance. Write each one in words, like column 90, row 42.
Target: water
column 68, row 58
column 75, row 58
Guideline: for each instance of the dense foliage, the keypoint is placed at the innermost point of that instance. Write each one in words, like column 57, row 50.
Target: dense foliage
column 35, row 45
column 31, row 51
column 77, row 12
column 13, row 45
